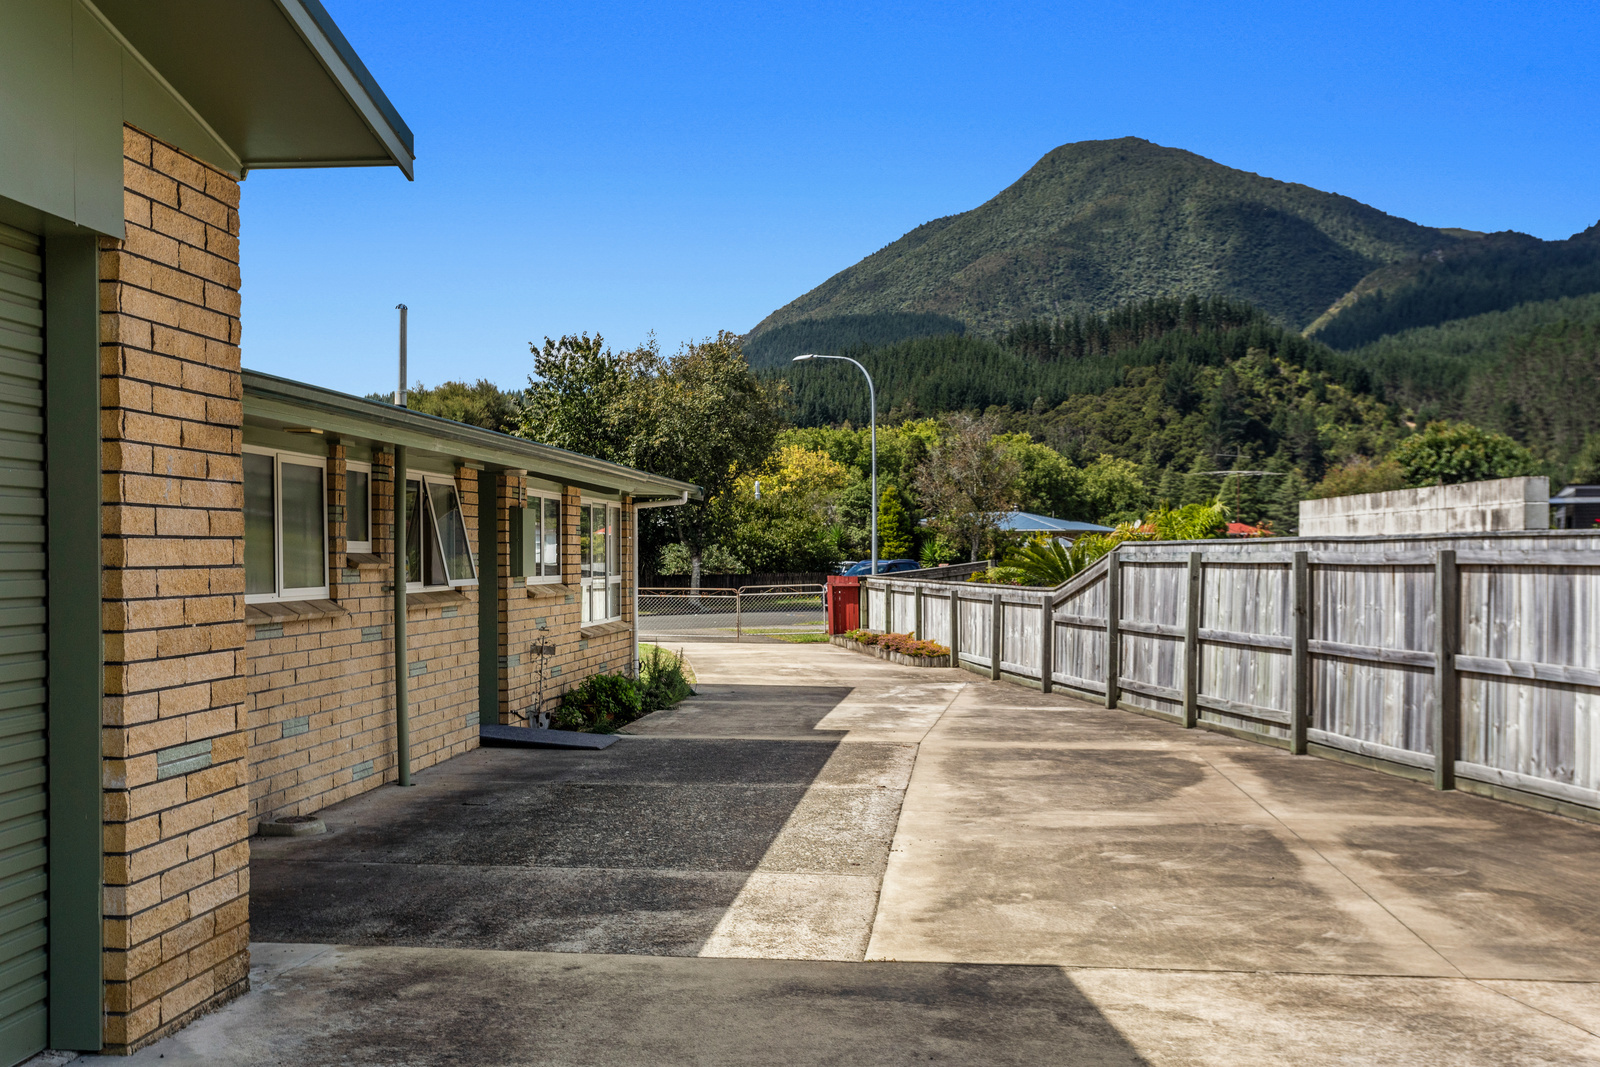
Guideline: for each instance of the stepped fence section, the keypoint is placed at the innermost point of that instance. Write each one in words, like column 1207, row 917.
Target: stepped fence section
column 1468, row 661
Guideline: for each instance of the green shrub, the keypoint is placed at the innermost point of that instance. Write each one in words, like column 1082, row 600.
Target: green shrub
column 663, row 678
column 603, row 704
column 1444, row 453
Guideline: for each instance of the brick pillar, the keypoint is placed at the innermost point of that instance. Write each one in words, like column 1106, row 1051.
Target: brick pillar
column 175, row 782
column 337, row 543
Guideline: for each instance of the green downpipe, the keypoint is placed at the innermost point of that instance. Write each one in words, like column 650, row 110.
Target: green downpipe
column 402, row 714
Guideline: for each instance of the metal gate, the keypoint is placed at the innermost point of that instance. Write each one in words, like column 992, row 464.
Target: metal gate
column 23, row 879
column 732, row 614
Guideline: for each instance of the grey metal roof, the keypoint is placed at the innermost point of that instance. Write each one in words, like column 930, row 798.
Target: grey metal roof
column 271, row 400
column 1028, row 522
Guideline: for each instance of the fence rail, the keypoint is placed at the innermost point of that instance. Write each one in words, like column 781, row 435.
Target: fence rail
column 758, row 611
column 1474, row 658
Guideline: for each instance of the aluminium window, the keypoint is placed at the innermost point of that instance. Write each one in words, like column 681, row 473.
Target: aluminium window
column 285, row 526
column 541, row 539
column 599, row 561
column 358, row 507
column 438, row 554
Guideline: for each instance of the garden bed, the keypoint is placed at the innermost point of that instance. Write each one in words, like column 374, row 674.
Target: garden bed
column 903, row 649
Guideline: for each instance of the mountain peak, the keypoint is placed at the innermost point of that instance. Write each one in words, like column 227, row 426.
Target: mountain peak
column 1095, row 224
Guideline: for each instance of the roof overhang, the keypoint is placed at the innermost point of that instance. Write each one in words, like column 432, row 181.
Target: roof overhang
column 280, row 402
column 274, row 79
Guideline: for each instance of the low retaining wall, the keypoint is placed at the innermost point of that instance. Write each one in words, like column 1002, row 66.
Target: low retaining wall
column 893, row 657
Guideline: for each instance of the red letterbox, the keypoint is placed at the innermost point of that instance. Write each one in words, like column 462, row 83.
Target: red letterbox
column 844, row 603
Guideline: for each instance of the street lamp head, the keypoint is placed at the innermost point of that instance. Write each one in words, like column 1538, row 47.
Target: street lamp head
column 798, row 359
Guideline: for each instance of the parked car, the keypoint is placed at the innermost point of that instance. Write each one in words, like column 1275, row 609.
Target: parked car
column 885, row 566
column 844, row 568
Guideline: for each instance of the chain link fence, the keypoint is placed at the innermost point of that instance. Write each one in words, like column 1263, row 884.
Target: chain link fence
column 732, row 614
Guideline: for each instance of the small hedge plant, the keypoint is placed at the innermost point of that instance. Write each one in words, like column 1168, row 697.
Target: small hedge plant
column 905, row 644
column 605, row 703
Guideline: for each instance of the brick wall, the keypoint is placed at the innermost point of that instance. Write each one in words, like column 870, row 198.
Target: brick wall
column 176, row 855
column 321, row 690
column 549, row 614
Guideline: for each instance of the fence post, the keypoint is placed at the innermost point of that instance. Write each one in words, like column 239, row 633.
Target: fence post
column 955, row 627
column 1300, row 621
column 738, row 614
column 1447, row 696
column 997, row 621
column 888, row 609
column 1047, row 641
column 1113, row 613
column 1191, row 646
column 916, row 612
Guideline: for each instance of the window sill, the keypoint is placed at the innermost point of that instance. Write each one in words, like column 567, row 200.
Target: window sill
column 600, row 629
column 545, row 590
column 285, row 610
column 363, row 559
column 435, row 596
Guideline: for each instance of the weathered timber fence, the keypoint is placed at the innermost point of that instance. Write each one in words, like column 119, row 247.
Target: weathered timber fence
column 1472, row 662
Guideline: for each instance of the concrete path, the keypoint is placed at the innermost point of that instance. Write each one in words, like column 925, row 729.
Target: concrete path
column 827, row 859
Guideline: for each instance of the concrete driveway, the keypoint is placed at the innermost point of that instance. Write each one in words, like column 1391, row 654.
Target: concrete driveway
column 826, row 859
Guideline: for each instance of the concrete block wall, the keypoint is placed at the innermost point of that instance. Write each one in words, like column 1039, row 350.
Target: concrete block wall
column 1470, row 507
column 171, row 425
column 321, row 690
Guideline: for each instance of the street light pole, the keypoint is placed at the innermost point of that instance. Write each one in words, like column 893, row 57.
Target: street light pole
column 872, row 403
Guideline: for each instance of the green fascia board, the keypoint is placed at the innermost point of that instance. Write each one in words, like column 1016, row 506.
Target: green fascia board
column 274, row 80
column 270, row 400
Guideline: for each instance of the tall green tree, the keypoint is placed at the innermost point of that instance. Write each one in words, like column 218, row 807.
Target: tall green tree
column 894, row 525
column 699, row 416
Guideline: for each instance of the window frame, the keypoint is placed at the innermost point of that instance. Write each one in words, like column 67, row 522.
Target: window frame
column 355, row 466
column 602, row 584
column 541, row 496
column 281, row 592
column 425, row 503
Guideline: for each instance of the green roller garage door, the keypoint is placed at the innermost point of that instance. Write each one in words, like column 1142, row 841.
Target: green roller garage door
column 23, row 875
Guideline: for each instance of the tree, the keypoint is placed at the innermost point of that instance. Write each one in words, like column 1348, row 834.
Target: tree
column 1444, row 453
column 480, row 404
column 894, row 525
column 1360, row 474
column 791, row 525
column 699, row 416
column 968, row 481
column 585, row 398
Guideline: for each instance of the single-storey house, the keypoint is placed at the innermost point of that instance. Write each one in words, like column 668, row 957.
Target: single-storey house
column 1026, row 522
column 201, row 621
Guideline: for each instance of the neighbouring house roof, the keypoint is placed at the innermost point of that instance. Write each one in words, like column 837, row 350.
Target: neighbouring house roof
column 1028, row 522
column 279, row 403
column 275, row 80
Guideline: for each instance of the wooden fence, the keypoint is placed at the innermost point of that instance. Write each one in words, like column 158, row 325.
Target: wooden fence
column 1472, row 661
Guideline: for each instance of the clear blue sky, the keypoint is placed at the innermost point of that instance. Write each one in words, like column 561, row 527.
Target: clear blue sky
column 685, row 168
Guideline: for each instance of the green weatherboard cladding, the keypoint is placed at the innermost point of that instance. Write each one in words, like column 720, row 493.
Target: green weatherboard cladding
column 24, row 884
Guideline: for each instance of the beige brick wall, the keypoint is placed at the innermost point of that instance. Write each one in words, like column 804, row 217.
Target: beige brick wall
column 206, row 732
column 321, row 691
column 176, row 854
column 536, row 615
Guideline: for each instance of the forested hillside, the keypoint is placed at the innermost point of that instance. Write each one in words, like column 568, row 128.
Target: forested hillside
column 1492, row 273
column 1180, row 388
column 830, row 335
column 1096, row 224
